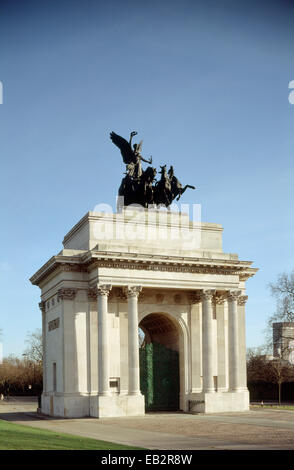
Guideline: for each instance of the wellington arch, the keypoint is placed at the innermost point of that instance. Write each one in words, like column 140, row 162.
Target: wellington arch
column 162, row 273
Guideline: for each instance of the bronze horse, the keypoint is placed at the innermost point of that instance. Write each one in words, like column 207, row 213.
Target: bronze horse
column 162, row 189
column 137, row 186
column 137, row 191
column 176, row 187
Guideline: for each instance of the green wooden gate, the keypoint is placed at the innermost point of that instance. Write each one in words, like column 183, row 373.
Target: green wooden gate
column 159, row 377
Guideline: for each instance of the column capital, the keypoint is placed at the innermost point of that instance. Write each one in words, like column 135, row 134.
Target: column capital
column 132, row 291
column 66, row 294
column 207, row 294
column 219, row 299
column 195, row 297
column 104, row 289
column 242, row 299
column 42, row 306
column 233, row 295
column 92, row 294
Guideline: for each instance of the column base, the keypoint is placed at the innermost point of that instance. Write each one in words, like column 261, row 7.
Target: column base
column 217, row 402
column 79, row 405
column 65, row 405
column 117, row 405
column 236, row 390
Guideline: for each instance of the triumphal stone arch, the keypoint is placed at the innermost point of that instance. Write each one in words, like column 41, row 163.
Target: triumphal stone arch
column 159, row 272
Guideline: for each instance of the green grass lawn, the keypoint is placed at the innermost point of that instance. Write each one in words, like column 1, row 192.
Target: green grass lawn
column 19, row 437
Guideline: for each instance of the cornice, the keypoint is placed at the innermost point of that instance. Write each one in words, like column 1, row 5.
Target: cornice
column 63, row 263
column 90, row 255
column 90, row 260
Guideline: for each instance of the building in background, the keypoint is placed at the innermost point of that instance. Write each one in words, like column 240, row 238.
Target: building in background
column 283, row 341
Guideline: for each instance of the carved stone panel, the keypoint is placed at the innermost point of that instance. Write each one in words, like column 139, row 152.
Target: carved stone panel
column 66, row 294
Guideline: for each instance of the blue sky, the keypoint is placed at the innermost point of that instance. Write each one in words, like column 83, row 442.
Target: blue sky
column 205, row 83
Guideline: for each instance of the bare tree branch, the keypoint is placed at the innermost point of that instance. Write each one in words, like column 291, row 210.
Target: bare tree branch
column 262, row 369
column 34, row 351
column 283, row 291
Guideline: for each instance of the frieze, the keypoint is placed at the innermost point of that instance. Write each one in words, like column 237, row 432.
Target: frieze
column 168, row 268
column 113, row 260
column 162, row 265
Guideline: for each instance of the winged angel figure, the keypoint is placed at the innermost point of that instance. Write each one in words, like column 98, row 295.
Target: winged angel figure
column 131, row 156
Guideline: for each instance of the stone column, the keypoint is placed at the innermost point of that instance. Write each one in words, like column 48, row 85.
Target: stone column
column 234, row 373
column 103, row 350
column 133, row 343
column 196, row 342
column 124, row 342
column 68, row 361
column 92, row 345
column 242, row 341
column 42, row 306
column 220, row 304
column 207, row 341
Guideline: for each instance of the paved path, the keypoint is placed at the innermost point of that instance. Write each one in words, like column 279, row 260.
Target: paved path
column 262, row 429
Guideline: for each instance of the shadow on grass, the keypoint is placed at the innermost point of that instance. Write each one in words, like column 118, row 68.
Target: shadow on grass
column 20, row 416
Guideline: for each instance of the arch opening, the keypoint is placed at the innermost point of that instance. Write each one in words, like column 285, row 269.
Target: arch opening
column 159, row 362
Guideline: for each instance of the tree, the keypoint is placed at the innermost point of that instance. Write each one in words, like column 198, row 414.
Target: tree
column 269, row 363
column 255, row 365
column 263, row 368
column 283, row 291
column 34, row 351
column 16, row 375
column 279, row 371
